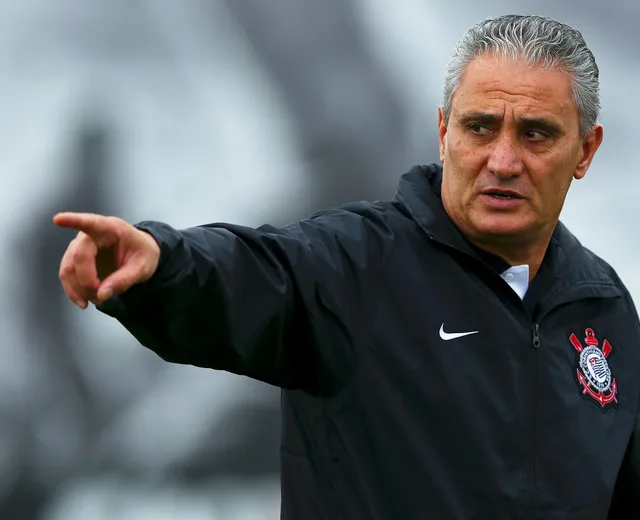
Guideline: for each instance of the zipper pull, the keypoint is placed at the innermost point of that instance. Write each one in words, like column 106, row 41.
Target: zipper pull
column 536, row 336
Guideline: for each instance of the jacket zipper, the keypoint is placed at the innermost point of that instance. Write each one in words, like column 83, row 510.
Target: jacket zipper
column 536, row 335
column 535, row 329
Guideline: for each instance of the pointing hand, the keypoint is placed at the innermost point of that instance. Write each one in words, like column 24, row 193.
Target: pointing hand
column 106, row 258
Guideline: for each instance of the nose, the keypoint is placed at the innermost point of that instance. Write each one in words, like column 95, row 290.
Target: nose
column 504, row 159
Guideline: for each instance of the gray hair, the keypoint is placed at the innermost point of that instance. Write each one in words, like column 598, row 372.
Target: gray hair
column 540, row 41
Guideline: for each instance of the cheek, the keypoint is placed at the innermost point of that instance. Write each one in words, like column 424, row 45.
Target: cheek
column 464, row 164
column 455, row 146
column 552, row 184
column 460, row 187
column 460, row 154
column 466, row 157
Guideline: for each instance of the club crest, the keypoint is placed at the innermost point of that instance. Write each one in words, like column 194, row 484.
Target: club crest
column 594, row 373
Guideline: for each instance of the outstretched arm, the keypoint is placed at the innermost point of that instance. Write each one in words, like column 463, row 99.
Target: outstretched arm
column 281, row 305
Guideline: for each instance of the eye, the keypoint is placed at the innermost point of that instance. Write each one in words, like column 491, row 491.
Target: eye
column 535, row 135
column 479, row 129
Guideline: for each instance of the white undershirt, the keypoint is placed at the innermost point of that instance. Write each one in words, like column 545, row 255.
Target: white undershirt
column 518, row 279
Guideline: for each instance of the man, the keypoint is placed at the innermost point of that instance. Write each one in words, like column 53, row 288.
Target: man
column 454, row 353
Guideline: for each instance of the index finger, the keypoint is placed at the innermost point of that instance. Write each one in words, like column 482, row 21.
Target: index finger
column 91, row 223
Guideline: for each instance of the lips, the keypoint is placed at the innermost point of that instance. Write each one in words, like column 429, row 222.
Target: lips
column 502, row 194
column 501, row 200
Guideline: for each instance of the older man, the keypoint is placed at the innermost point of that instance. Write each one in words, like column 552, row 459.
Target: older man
column 454, row 353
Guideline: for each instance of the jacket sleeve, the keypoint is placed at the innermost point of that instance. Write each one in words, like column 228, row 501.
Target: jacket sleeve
column 280, row 305
column 625, row 503
column 626, row 497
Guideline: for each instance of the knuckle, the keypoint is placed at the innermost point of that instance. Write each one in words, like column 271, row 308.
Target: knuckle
column 80, row 237
column 80, row 255
column 115, row 225
column 83, row 239
column 66, row 271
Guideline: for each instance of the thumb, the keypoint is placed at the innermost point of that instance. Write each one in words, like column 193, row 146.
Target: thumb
column 118, row 282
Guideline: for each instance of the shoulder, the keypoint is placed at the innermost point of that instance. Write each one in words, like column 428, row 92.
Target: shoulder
column 356, row 228
column 356, row 218
column 603, row 270
column 606, row 273
column 574, row 258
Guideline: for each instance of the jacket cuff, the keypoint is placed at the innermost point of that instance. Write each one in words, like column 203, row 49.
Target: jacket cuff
column 139, row 296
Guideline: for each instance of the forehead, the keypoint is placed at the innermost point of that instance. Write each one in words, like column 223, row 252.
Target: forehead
column 514, row 87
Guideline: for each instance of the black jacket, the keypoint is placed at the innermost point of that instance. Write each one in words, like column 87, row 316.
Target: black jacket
column 534, row 416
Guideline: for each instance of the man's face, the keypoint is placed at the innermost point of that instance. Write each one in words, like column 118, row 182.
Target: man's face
column 510, row 150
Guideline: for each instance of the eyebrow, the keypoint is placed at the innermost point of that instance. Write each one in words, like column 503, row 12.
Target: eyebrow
column 527, row 122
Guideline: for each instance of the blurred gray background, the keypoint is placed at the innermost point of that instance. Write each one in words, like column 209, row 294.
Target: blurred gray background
column 248, row 111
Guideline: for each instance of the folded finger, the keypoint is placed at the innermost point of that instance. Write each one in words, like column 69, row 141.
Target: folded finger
column 70, row 286
column 84, row 264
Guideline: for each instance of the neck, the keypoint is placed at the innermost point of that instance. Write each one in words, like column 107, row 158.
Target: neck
column 523, row 254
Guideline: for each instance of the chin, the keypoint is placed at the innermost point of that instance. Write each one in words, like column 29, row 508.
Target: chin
column 503, row 229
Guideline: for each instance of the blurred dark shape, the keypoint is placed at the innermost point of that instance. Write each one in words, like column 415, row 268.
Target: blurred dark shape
column 87, row 191
column 64, row 388
column 26, row 500
column 348, row 119
column 67, row 390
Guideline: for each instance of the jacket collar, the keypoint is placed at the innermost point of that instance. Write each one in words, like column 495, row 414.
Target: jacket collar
column 567, row 260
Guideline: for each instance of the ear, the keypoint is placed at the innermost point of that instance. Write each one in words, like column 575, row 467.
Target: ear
column 442, row 133
column 590, row 144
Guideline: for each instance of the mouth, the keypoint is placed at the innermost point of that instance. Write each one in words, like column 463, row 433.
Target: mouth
column 502, row 194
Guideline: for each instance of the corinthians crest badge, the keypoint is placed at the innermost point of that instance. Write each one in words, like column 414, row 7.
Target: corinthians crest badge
column 594, row 374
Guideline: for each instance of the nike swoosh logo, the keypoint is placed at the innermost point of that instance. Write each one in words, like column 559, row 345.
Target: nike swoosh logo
column 455, row 335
